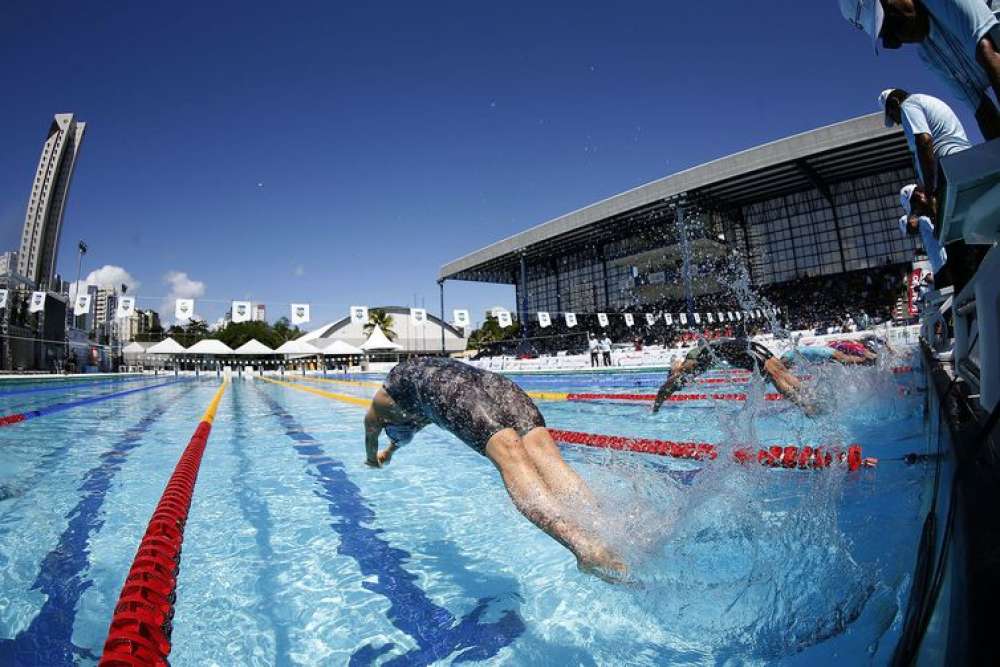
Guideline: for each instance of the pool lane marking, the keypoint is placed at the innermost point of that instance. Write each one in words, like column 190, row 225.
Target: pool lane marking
column 254, row 507
column 48, row 638
column 141, row 625
column 356, row 383
column 19, row 417
column 59, row 386
column 343, row 398
column 436, row 631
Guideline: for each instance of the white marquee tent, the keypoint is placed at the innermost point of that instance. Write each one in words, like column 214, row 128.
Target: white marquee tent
column 379, row 341
column 210, row 346
column 167, row 346
column 254, row 348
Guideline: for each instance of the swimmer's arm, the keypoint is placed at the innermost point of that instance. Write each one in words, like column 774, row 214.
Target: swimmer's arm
column 385, row 455
column 678, row 378
column 788, row 385
column 373, row 427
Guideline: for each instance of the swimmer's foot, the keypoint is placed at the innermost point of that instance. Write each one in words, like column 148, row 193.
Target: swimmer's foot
column 606, row 566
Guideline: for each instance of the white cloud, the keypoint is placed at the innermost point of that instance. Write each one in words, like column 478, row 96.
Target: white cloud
column 181, row 286
column 107, row 277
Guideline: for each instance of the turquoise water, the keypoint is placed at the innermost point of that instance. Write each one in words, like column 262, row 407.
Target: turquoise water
column 296, row 553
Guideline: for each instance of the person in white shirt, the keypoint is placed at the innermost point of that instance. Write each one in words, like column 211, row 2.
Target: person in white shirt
column 959, row 40
column 594, row 350
column 932, row 130
column 916, row 204
column 606, row 350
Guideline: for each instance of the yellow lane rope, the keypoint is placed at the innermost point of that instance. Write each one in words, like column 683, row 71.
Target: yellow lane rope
column 343, row 398
column 209, row 415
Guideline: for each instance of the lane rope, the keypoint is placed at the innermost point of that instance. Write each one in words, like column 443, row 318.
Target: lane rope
column 142, row 623
column 17, row 418
column 803, row 458
column 59, row 386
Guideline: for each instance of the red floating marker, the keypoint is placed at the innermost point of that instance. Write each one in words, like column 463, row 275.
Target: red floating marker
column 802, row 458
column 676, row 398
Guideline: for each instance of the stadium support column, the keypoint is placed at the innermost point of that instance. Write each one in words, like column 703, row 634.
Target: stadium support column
column 441, row 289
column 522, row 305
column 686, row 254
column 824, row 190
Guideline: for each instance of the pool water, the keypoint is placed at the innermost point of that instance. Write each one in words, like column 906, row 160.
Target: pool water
column 296, row 553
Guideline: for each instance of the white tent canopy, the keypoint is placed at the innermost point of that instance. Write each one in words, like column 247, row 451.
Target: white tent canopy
column 342, row 348
column 254, row 347
column 379, row 341
column 133, row 348
column 296, row 347
column 167, row 346
column 210, row 346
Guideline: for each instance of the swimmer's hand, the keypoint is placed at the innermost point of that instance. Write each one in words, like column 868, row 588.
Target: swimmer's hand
column 607, row 566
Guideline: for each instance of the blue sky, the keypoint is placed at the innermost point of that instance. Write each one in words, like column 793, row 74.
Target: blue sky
column 337, row 154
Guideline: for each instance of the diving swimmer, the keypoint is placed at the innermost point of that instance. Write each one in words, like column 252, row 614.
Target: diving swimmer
column 493, row 416
column 738, row 353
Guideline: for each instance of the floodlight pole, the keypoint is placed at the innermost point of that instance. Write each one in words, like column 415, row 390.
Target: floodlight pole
column 441, row 290
column 686, row 252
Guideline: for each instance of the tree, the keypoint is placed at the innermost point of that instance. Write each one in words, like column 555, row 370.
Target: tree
column 491, row 332
column 377, row 317
column 235, row 334
column 284, row 331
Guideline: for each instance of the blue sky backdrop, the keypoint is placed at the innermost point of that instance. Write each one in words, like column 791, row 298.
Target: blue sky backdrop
column 336, row 154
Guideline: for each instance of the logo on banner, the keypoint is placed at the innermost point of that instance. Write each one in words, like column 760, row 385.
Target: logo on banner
column 461, row 318
column 722, row 317
column 602, row 319
column 570, row 320
column 126, row 307
column 684, row 318
column 544, row 320
column 241, row 311
column 3, row 298
column 629, row 319
column 359, row 314
column 82, row 305
column 300, row 313
column 418, row 316
column 184, row 309
column 668, row 318
column 697, row 318
column 37, row 302
column 650, row 319
column 708, row 316
column 503, row 318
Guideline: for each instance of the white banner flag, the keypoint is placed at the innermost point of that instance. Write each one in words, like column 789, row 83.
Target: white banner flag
column 359, row 315
column 37, row 302
column 184, row 309
column 739, row 316
column 503, row 318
column 241, row 311
column 722, row 317
column 708, row 316
column 544, row 320
column 732, row 318
column 82, row 305
column 669, row 318
column 3, row 299
column 418, row 316
column 759, row 314
column 602, row 319
column 126, row 307
column 571, row 320
column 650, row 319
column 461, row 318
column 684, row 318
column 629, row 319
column 300, row 313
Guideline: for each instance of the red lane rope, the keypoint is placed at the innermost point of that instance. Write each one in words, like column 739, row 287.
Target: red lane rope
column 803, row 458
column 142, row 623
column 676, row 398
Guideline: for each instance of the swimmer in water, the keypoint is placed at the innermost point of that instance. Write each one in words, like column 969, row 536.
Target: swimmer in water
column 738, row 353
column 493, row 416
column 823, row 354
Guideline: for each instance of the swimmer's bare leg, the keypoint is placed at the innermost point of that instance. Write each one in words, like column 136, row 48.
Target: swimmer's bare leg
column 788, row 384
column 558, row 476
column 676, row 380
column 533, row 498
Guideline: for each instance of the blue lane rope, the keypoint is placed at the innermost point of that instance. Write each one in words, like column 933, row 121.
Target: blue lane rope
column 68, row 385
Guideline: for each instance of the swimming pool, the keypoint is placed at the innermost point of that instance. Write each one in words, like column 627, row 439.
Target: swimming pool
column 296, row 553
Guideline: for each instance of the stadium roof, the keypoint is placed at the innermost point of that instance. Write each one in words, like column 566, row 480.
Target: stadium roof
column 846, row 150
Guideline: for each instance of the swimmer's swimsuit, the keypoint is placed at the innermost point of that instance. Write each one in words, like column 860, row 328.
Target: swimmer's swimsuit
column 738, row 353
column 471, row 403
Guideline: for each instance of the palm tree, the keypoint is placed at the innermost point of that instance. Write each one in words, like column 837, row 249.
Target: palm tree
column 377, row 317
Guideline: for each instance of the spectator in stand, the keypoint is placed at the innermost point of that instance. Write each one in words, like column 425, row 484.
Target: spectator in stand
column 594, row 349
column 958, row 39
column 637, row 342
column 606, row 349
column 932, row 130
